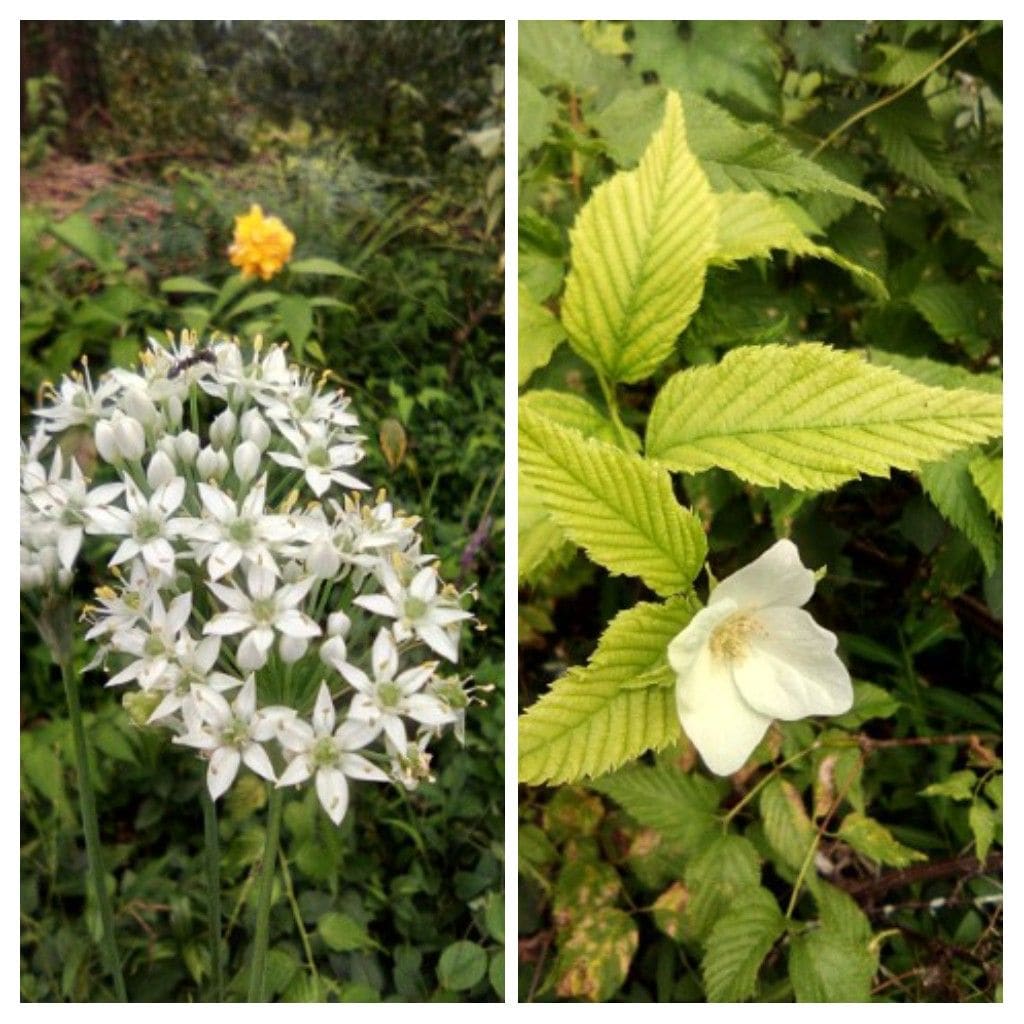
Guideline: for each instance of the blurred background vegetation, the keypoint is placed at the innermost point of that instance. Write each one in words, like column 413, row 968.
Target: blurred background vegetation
column 912, row 113
column 379, row 144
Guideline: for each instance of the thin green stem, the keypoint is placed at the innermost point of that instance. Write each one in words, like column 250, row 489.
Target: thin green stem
column 884, row 101
column 608, row 390
column 799, row 883
column 213, row 912
column 257, row 977
column 297, row 914
column 733, row 811
column 90, row 826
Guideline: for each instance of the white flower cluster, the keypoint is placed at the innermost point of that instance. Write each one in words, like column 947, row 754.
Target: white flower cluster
column 225, row 578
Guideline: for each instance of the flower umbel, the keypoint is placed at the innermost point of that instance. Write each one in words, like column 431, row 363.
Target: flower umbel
column 262, row 245
column 754, row 655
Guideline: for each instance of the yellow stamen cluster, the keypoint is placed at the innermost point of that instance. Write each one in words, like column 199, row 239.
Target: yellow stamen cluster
column 730, row 641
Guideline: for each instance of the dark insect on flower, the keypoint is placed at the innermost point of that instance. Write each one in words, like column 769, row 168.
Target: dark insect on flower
column 204, row 355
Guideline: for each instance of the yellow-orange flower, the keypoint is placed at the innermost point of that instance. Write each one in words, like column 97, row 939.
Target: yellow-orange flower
column 262, row 245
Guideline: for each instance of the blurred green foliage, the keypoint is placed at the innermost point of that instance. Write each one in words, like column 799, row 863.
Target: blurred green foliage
column 630, row 887
column 396, row 288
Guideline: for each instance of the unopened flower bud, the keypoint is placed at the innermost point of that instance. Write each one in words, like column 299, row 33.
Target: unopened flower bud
column 174, row 411
column 254, row 428
column 130, row 437
column 187, row 446
column 338, row 624
column 322, row 560
column 165, row 444
column 246, row 461
column 209, row 464
column 161, row 470
column 334, row 652
column 222, row 430
column 140, row 406
column 292, row 648
column 106, row 442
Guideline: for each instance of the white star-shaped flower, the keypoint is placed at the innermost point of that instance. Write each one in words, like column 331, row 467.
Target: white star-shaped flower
column 329, row 754
column 754, row 655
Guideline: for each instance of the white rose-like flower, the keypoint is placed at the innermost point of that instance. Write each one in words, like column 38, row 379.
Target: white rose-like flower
column 754, row 655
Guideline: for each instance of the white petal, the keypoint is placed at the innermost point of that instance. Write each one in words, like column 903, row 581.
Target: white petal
column 384, row 657
column 251, row 655
column 294, row 623
column 792, row 669
column 353, row 734
column 245, row 700
column 686, row 648
column 323, row 712
column 227, row 623
column 378, row 604
column 69, row 540
column 357, row 767
column 296, row 772
column 225, row 557
column 211, row 706
column 256, row 758
column 438, row 640
column 217, row 503
column 778, row 577
column 426, row 710
column 223, row 768
column 721, row 725
column 356, row 677
column 294, row 734
column 424, row 585
column 159, row 554
column 394, row 729
column 332, row 789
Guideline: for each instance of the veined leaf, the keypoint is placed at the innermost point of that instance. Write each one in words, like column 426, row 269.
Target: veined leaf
column 954, row 494
column 716, row 878
column 617, row 506
column 587, row 723
column 897, row 65
column 874, row 840
column 593, row 959
column 540, row 540
column 786, row 824
column 754, row 223
column 639, row 252
column 828, row 968
column 840, row 913
column 738, row 944
column 540, row 333
column 574, row 411
column 810, row 416
column 936, row 374
column 987, row 474
column 679, row 806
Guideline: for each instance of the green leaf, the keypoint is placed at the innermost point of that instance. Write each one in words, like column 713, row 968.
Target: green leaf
column 958, row 786
column 726, row 869
column 574, row 411
column 496, row 973
column 827, row 968
column 895, row 65
column 187, row 285
column 679, row 806
column 297, row 320
column 541, row 543
column 615, row 505
column 342, row 933
column 911, row 141
column 81, row 234
column 840, row 914
column 536, row 112
column 738, row 944
column 987, row 473
column 952, row 490
column 936, row 374
column 461, row 966
column 254, row 300
column 874, row 840
column 594, row 958
column 786, row 823
column 752, row 224
column 588, row 723
column 983, row 821
column 320, row 265
column 869, row 701
column 540, row 333
column 809, row 416
column 960, row 314
column 639, row 251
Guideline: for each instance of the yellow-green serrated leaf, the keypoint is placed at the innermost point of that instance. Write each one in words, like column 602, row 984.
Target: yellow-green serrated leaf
column 738, row 944
column 874, row 840
column 786, row 823
column 587, row 723
column 569, row 410
column 540, row 333
column 983, row 820
column 987, row 474
column 828, row 968
column 680, row 807
column 616, row 505
column 936, row 374
column 752, row 224
column 958, row 786
column 952, row 490
column 541, row 542
column 640, row 248
column 810, row 416
column 840, row 913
